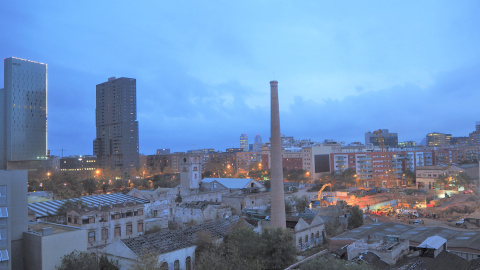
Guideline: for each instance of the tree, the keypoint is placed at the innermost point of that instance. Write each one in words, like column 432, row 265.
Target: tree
column 65, row 185
column 442, row 181
column 410, row 177
column 79, row 260
column 346, row 177
column 89, row 185
column 296, row 175
column 106, row 264
column 242, row 249
column 278, row 248
column 355, row 219
column 148, row 261
column 178, row 199
column 301, row 203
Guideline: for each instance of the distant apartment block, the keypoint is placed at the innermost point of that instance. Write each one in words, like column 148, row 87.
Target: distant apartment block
column 78, row 163
column 389, row 139
column 23, row 119
column 438, row 139
column 163, row 151
column 116, row 145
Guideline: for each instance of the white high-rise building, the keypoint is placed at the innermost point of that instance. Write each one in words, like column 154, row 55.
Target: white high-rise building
column 23, row 119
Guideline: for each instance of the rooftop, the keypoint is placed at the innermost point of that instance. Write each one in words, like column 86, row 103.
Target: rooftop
column 168, row 241
column 48, row 208
column 56, row 228
column 415, row 234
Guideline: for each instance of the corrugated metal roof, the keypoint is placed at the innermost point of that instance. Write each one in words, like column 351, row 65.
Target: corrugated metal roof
column 235, row 183
column 48, row 208
column 434, row 242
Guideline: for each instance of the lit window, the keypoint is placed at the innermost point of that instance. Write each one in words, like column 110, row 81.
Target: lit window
column 91, row 237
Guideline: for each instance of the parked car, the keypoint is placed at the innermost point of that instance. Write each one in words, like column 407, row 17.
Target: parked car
column 460, row 222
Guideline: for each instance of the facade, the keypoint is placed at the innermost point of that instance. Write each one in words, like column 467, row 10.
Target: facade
column 438, row 139
column 46, row 243
column 389, row 139
column 13, row 218
column 78, row 163
column 116, row 145
column 176, row 249
column 23, row 122
column 191, row 172
column 244, row 142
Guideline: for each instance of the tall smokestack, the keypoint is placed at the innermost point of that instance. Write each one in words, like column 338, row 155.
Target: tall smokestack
column 276, row 182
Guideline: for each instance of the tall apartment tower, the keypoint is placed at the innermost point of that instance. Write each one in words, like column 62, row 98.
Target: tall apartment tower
column 23, row 115
column 116, row 145
column 278, row 217
column 244, row 142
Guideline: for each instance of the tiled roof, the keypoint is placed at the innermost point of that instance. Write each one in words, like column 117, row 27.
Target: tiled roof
column 42, row 209
column 168, row 241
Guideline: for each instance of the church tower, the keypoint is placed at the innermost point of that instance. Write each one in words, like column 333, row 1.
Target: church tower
column 190, row 172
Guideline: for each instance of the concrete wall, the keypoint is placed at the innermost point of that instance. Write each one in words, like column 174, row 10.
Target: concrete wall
column 46, row 251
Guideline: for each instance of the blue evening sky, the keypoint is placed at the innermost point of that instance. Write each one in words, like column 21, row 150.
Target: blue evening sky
column 203, row 67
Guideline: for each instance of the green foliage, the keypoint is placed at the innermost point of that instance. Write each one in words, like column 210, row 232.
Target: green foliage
column 65, row 185
column 89, row 185
column 301, row 203
column 296, row 175
column 243, row 248
column 178, row 199
column 328, row 262
column 410, row 177
column 148, row 261
column 34, row 185
column 345, row 178
column 106, row 264
column 165, row 180
column 333, row 227
column 355, row 219
column 154, row 229
column 278, row 248
column 79, row 261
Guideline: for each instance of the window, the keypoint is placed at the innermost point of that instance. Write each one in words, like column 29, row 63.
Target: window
column 91, row 219
column 3, row 212
column 69, row 219
column 104, row 233
column 128, row 229
column 118, row 231
column 85, row 221
column 3, row 237
column 4, row 255
column 140, row 227
column 176, row 265
column 3, row 194
column 188, row 263
column 91, row 237
column 164, row 266
column 140, row 212
column 306, row 238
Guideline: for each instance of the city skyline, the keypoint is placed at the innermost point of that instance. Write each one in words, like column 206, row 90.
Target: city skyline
column 342, row 71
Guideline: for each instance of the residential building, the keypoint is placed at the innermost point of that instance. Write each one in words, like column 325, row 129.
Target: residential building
column 116, row 145
column 244, row 142
column 438, row 139
column 13, row 218
column 389, row 139
column 78, row 163
column 23, row 119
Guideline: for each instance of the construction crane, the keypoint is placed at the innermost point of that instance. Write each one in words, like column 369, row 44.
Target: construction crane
column 380, row 139
column 323, row 187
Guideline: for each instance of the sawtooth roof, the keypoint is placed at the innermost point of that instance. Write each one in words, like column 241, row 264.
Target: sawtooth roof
column 48, row 208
